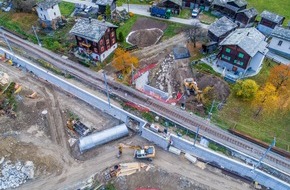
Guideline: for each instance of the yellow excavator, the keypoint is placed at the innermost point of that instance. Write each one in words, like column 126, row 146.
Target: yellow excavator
column 191, row 86
column 146, row 152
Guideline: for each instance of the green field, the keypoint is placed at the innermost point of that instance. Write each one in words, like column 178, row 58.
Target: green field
column 240, row 115
column 66, row 8
column 280, row 7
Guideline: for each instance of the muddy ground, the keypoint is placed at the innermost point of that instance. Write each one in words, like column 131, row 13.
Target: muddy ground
column 145, row 37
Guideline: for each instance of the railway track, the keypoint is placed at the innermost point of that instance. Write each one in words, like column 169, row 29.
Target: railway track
column 184, row 119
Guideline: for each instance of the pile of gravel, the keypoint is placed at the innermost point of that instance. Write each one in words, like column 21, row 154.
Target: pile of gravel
column 144, row 38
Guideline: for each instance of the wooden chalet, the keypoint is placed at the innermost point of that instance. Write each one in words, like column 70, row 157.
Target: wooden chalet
column 246, row 18
column 269, row 21
column 243, row 51
column 96, row 39
column 103, row 3
column 203, row 4
column 174, row 5
column 218, row 30
column 229, row 7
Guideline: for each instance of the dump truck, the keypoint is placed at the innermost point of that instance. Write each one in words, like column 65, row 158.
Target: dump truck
column 160, row 12
column 146, row 152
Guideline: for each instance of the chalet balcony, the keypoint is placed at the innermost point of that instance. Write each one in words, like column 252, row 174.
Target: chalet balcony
column 86, row 45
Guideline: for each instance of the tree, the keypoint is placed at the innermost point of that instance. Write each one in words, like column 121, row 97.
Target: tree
column 280, row 77
column 108, row 12
column 121, row 37
column 124, row 61
column 24, row 6
column 246, row 90
column 195, row 33
column 266, row 98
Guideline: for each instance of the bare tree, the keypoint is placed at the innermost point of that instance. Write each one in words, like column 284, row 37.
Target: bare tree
column 196, row 33
column 23, row 5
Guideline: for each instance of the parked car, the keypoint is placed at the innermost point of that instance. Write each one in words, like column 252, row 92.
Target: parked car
column 195, row 12
column 88, row 9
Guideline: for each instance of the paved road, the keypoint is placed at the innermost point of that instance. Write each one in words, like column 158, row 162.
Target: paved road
column 143, row 10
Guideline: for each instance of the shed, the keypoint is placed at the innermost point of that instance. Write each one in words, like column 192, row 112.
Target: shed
column 269, row 21
column 174, row 5
column 180, row 52
column 103, row 3
column 246, row 17
column 218, row 30
column 229, row 7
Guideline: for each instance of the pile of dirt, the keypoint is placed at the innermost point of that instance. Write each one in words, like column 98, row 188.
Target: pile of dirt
column 159, row 179
column 145, row 38
column 147, row 23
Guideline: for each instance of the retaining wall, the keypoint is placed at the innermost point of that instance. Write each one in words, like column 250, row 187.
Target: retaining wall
column 154, row 137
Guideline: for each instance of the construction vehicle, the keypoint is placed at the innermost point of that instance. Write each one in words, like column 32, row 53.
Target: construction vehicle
column 191, row 86
column 146, row 152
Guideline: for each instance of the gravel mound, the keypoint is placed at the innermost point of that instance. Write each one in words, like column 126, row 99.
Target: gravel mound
column 144, row 38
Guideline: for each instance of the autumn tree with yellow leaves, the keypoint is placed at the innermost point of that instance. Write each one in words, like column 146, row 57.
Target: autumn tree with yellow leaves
column 124, row 62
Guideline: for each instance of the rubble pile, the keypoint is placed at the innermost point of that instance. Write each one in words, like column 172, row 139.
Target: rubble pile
column 13, row 175
column 163, row 75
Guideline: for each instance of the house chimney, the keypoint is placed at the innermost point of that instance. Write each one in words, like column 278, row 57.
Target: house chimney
column 90, row 19
column 248, row 33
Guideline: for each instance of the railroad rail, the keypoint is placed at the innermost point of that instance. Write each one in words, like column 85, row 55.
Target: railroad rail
column 180, row 117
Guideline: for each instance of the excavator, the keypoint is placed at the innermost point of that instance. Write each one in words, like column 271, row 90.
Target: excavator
column 191, row 87
column 146, row 152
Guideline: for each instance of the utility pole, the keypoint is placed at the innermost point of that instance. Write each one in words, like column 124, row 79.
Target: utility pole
column 132, row 80
column 264, row 155
column 33, row 28
column 210, row 112
column 128, row 5
column 8, row 44
column 196, row 135
column 108, row 95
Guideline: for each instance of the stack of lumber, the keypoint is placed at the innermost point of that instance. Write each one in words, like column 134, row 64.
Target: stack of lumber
column 130, row 168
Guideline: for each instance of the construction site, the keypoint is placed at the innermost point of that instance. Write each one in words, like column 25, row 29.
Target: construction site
column 46, row 141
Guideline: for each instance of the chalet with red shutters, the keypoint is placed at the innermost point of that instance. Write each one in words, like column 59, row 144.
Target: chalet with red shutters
column 97, row 39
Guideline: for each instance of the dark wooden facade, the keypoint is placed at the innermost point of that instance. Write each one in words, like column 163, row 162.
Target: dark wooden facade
column 268, row 23
column 235, row 56
column 196, row 2
column 105, row 43
column 244, row 19
column 175, row 8
column 218, row 39
column 230, row 9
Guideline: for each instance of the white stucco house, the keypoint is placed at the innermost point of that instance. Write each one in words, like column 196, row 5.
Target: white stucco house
column 48, row 13
column 280, row 43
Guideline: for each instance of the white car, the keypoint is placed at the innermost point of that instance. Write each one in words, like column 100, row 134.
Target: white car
column 88, row 9
column 195, row 12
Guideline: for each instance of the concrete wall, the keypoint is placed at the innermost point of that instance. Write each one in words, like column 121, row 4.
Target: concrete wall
column 284, row 48
column 48, row 14
column 72, row 89
column 154, row 137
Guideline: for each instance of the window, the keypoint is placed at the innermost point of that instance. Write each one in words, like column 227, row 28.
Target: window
column 280, row 42
column 54, row 14
column 228, row 50
column 112, row 34
column 41, row 9
column 107, row 41
column 101, row 42
column 96, row 50
column 241, row 55
column 52, row 7
column 226, row 57
column 240, row 63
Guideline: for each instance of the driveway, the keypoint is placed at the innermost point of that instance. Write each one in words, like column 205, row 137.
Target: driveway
column 142, row 10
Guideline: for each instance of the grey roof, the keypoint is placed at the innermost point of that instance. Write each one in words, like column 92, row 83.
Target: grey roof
column 250, row 13
column 93, row 30
column 104, row 2
column 282, row 33
column 178, row 2
column 46, row 4
column 249, row 39
column 271, row 16
column 222, row 26
column 240, row 3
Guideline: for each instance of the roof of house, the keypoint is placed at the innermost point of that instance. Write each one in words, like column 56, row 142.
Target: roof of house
column 250, row 13
column 249, row 39
column 92, row 30
column 240, row 3
column 178, row 2
column 282, row 33
column 104, row 2
column 222, row 26
column 271, row 16
column 46, row 4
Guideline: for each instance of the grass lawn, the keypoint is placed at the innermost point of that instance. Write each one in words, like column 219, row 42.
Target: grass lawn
column 173, row 28
column 185, row 13
column 125, row 28
column 206, row 17
column 141, row 2
column 66, row 8
column 279, row 7
column 265, row 127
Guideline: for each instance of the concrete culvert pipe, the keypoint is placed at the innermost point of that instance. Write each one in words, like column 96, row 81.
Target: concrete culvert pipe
column 103, row 137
